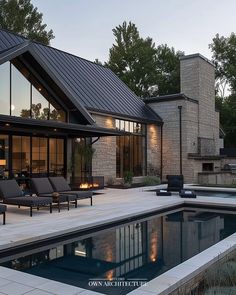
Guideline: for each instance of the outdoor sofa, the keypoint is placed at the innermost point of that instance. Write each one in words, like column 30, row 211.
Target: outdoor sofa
column 11, row 194
column 60, row 185
column 3, row 210
column 43, row 188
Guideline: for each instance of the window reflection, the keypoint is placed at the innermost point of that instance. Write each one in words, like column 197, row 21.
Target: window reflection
column 24, row 96
column 20, row 94
column 39, row 155
column 5, row 88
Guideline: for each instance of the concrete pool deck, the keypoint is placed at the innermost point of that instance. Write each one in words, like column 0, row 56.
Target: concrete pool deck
column 111, row 206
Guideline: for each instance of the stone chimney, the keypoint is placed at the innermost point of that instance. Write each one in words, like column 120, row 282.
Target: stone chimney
column 197, row 79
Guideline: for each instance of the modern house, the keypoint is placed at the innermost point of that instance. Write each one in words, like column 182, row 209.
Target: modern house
column 52, row 103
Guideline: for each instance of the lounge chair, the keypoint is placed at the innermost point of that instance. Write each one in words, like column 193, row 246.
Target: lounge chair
column 60, row 185
column 11, row 194
column 175, row 182
column 43, row 188
column 3, row 210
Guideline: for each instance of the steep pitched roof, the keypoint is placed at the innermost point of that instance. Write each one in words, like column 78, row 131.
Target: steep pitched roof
column 95, row 87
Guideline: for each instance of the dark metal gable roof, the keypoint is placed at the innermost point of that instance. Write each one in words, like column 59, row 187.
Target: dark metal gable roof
column 95, row 87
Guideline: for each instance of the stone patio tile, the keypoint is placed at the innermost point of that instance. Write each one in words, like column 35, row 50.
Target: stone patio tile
column 4, row 282
column 141, row 292
column 15, row 289
column 60, row 288
column 28, row 279
column 38, row 292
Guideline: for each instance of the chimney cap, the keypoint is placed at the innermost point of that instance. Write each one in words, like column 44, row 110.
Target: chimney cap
column 195, row 55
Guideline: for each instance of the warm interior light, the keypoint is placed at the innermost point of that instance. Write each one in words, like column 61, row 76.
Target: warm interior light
column 7, row 124
column 3, row 162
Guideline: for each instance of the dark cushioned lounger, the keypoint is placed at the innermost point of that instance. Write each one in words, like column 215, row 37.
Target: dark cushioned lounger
column 60, row 185
column 3, row 210
column 12, row 195
column 43, row 188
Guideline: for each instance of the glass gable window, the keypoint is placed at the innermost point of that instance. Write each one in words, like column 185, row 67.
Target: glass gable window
column 22, row 95
column 130, row 149
column 5, row 88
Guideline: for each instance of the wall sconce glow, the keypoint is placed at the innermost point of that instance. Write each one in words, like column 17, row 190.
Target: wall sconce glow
column 13, row 107
column 3, row 162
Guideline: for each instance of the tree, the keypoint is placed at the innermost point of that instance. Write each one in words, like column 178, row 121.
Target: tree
column 133, row 59
column 147, row 70
column 224, row 58
column 168, row 70
column 21, row 17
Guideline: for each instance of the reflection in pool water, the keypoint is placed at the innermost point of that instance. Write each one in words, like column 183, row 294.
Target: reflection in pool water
column 140, row 250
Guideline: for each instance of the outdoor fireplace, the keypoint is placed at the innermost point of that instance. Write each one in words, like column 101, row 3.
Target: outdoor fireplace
column 88, row 183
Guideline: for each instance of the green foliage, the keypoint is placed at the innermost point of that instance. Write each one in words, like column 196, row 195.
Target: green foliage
column 21, row 17
column 224, row 57
column 147, row 70
column 86, row 152
column 227, row 108
column 128, row 177
column 151, row 180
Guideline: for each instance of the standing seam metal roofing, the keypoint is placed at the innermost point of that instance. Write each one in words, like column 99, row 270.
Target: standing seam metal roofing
column 92, row 85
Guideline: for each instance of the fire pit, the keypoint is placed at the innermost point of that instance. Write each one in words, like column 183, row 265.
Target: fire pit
column 88, row 183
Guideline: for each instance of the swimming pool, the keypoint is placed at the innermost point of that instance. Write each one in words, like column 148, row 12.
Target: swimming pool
column 218, row 194
column 132, row 252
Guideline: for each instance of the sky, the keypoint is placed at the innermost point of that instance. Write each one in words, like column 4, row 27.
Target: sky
column 84, row 27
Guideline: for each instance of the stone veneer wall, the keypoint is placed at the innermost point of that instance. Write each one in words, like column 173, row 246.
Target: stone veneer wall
column 104, row 160
column 197, row 77
column 200, row 121
column 153, row 149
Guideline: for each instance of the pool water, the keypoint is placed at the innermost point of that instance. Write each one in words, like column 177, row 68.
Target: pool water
column 215, row 194
column 134, row 252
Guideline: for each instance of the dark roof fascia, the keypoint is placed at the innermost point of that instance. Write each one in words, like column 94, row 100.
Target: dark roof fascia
column 171, row 97
column 55, row 125
column 27, row 46
column 125, row 117
column 15, row 51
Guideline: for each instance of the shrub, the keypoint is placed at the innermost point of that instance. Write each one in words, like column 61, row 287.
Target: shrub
column 128, row 177
column 151, row 180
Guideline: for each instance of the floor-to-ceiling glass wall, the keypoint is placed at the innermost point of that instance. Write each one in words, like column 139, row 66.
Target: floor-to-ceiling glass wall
column 4, row 155
column 130, row 149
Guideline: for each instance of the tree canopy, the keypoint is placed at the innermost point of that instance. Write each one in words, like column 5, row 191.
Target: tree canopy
column 21, row 17
column 147, row 70
column 224, row 57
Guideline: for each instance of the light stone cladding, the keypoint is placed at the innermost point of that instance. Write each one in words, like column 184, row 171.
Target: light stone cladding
column 104, row 159
column 200, row 121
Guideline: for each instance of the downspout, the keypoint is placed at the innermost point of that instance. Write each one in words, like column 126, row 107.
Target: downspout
column 180, row 141
column 161, row 170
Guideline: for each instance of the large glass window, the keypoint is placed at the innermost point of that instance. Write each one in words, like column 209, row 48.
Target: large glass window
column 56, row 156
column 39, row 155
column 23, row 96
column 5, row 88
column 20, row 155
column 130, row 149
column 20, row 91
column 4, row 155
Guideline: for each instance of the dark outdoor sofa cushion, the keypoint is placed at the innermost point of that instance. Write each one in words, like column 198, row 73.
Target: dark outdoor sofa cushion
column 43, row 188
column 59, row 184
column 175, row 182
column 160, row 192
column 11, row 194
column 187, row 194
